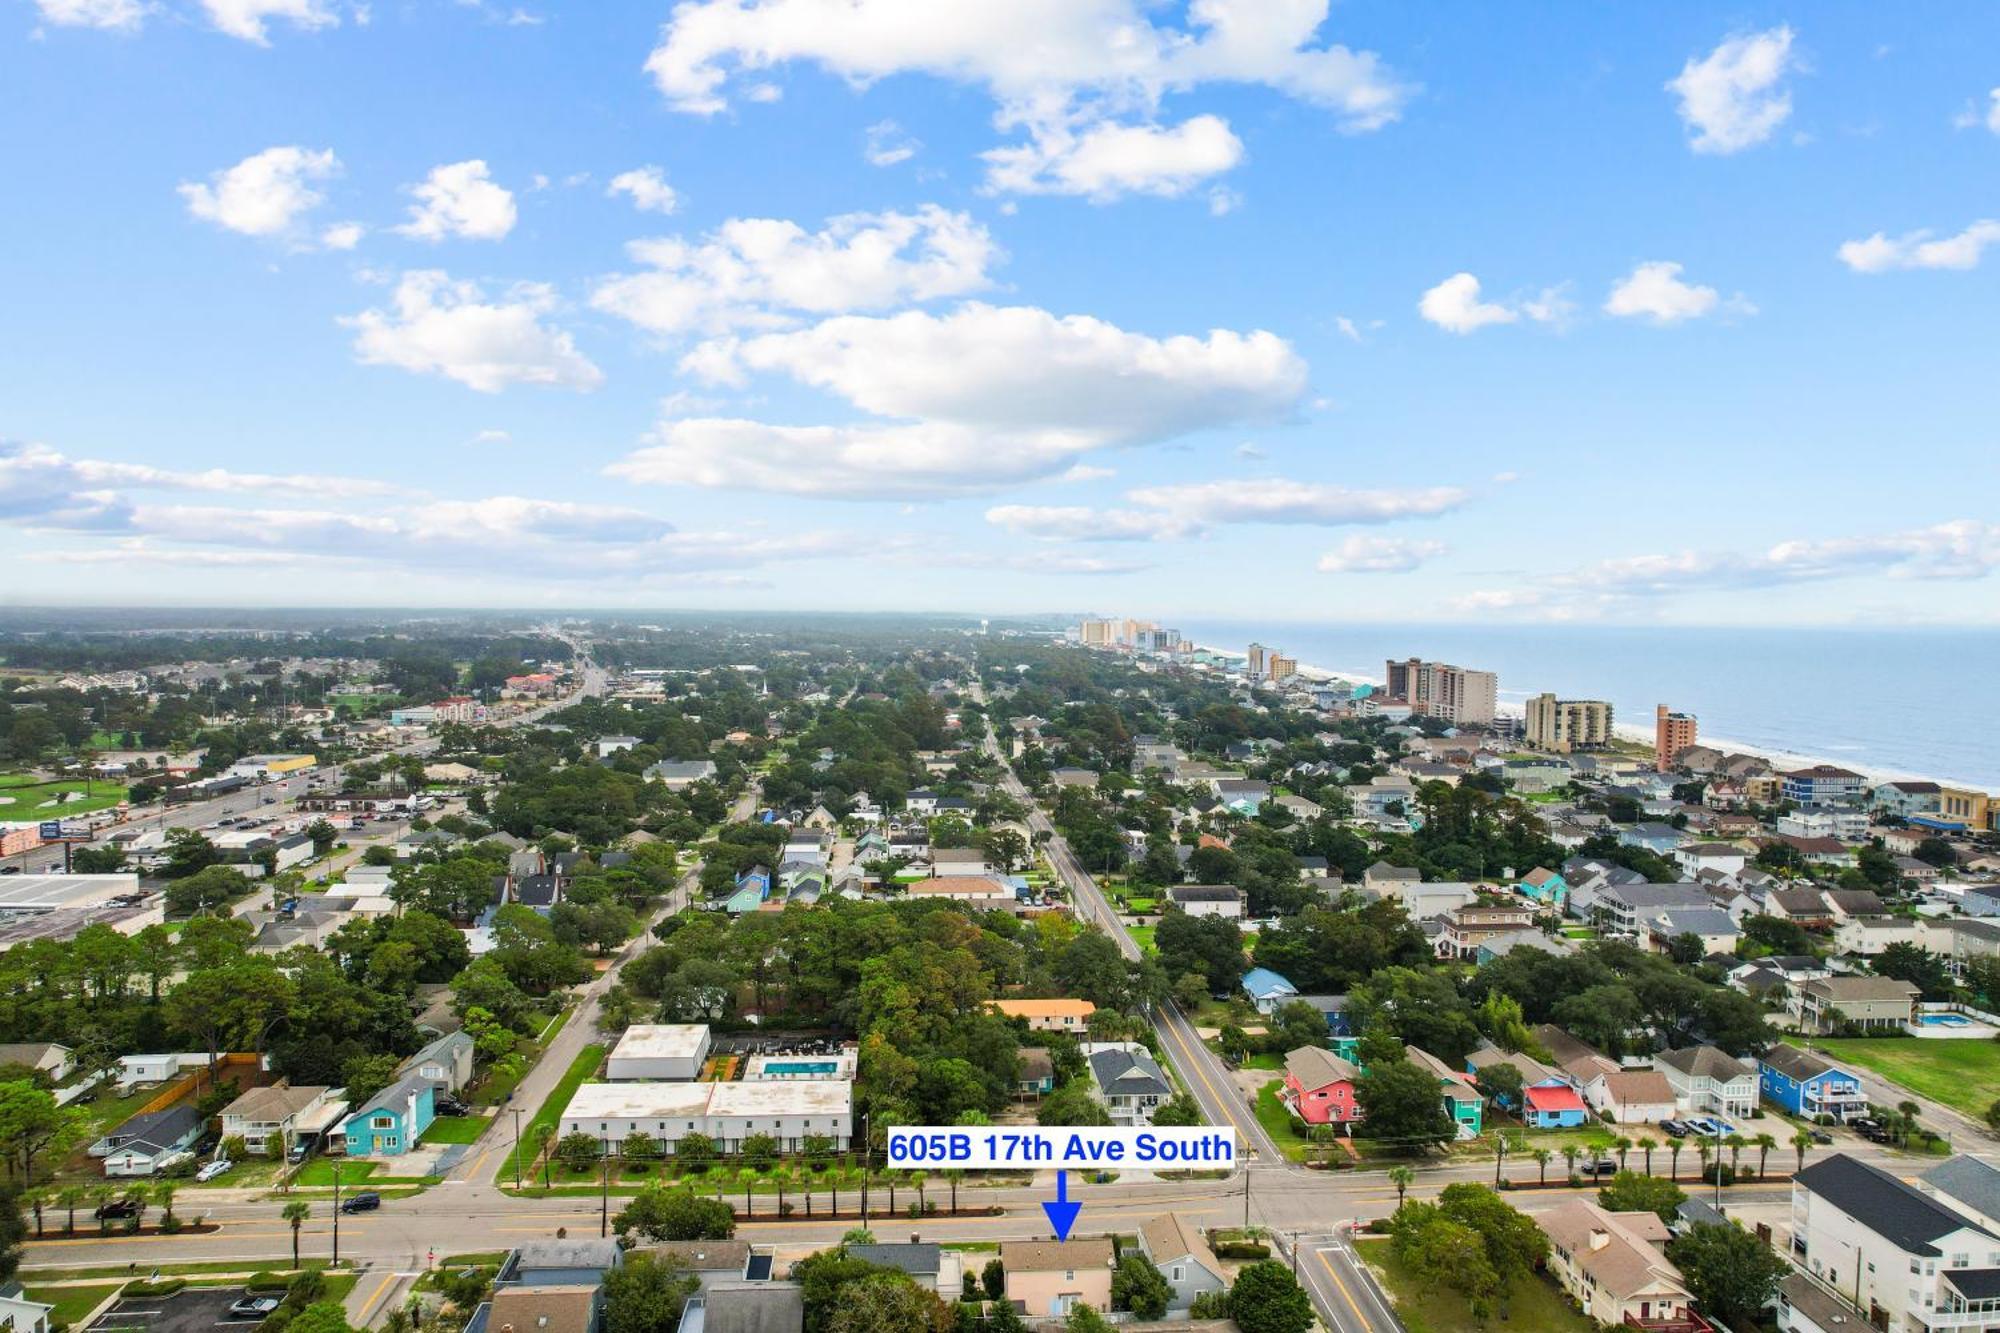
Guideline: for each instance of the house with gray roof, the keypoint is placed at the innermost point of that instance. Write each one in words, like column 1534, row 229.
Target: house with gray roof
column 1127, row 1080
column 143, row 1144
column 1967, row 1185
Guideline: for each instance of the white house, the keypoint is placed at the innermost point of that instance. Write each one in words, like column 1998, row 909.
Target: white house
column 1705, row 1079
column 1631, row 1096
column 952, row 862
column 145, row 1143
column 1910, row 1262
column 1223, row 900
column 267, row 1117
column 659, row 1051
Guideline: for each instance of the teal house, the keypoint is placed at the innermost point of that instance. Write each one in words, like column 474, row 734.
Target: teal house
column 391, row 1122
column 1462, row 1100
column 1544, row 886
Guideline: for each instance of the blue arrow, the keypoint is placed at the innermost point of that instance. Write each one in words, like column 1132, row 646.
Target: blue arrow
column 1062, row 1213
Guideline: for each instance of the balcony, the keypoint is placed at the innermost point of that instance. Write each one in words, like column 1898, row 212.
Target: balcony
column 1687, row 1321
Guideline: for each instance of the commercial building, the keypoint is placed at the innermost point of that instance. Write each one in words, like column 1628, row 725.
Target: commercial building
column 264, row 767
column 1438, row 689
column 1281, row 668
column 1822, row 784
column 1912, row 1263
column 1962, row 805
column 1672, row 733
column 659, row 1051
column 1567, row 725
column 788, row 1110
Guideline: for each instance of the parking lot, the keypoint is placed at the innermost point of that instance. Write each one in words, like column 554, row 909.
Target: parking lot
column 190, row 1310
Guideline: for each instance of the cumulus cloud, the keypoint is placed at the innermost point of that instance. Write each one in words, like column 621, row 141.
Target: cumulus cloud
column 41, row 483
column 459, row 199
column 966, row 401
column 437, row 326
column 648, row 189
column 1083, row 77
column 1730, row 99
column 1106, row 160
column 108, row 15
column 1959, row 549
column 249, row 19
column 767, row 272
column 1083, row 524
column 1654, row 291
column 1972, row 117
column 1378, row 555
column 1920, row 249
column 887, row 145
column 1284, row 501
column 266, row 193
column 1454, row 305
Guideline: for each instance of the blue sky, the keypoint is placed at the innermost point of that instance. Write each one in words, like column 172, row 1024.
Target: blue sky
column 1242, row 307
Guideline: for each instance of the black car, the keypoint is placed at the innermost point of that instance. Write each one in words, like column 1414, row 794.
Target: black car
column 1603, row 1166
column 117, row 1209
column 361, row 1203
column 452, row 1106
column 1674, row 1128
column 1820, row 1136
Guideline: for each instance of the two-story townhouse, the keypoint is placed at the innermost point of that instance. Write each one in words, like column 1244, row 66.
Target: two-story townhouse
column 1807, row 1084
column 1320, row 1087
column 1183, row 1258
column 1127, row 1080
column 390, row 1123
column 1615, row 1267
column 1706, row 1079
column 1834, row 1003
column 1056, row 1015
column 1913, row 1264
column 268, row 1118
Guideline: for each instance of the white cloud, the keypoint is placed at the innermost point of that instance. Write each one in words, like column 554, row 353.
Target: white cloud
column 1083, row 77
column 438, row 326
column 109, row 15
column 247, row 18
column 1654, row 291
column 265, row 193
column 887, row 145
column 493, row 437
column 1730, row 99
column 1959, row 549
column 458, row 199
column 1283, row 501
column 648, row 189
column 1972, row 117
column 1920, row 249
column 342, row 235
column 978, row 398
column 1083, row 524
column 1454, row 306
column 1105, row 160
column 764, row 272
column 1378, row 555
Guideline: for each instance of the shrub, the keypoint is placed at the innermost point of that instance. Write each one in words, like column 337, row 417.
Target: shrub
column 166, row 1286
column 1243, row 1249
column 266, row 1280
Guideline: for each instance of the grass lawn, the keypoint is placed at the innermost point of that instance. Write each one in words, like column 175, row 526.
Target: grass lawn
column 1264, row 1060
column 1143, row 937
column 1535, row 1302
column 1962, row 1073
column 456, row 1129
column 22, row 797
column 72, row 1303
column 319, row 1171
column 1280, row 1123
column 550, row 1112
column 167, row 1270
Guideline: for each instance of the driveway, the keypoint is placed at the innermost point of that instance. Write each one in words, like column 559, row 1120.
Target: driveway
column 191, row 1310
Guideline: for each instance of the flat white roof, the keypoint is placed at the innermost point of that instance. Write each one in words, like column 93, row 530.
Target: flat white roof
column 639, row 1101
column 662, row 1041
column 782, row 1097
column 20, row 893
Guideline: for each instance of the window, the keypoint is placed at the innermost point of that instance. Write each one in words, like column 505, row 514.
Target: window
column 1069, row 1275
column 383, row 1122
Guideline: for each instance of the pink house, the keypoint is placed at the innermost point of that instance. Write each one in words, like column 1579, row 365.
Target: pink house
column 1319, row 1087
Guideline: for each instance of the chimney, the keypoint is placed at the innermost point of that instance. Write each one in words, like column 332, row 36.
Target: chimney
column 1599, row 1238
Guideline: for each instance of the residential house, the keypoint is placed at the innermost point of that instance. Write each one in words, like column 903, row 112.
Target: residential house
column 1267, row 990
column 141, row 1145
column 1712, row 926
column 1245, row 796
column 267, row 1119
column 1467, row 927
column 1660, row 839
column 1695, row 857
column 391, row 1122
column 1499, row 946
column 1183, row 1258
column 1127, row 1080
column 929, row 1265
column 1808, row 1084
column 1705, row 1079
column 1047, row 1279
column 959, row 861
column 1035, row 1072
column 1850, row 904
column 1822, row 784
column 1905, row 798
column 446, row 1062
column 679, row 774
column 1223, row 900
column 1806, row 907
column 1966, row 1185
column 1819, row 851
column 1462, row 1102
column 1632, row 1096
column 43, row 1057
column 1614, row 1265
column 1868, row 936
column 559, row 1263
column 1549, row 1099
column 1320, row 1087
column 1385, row 878
column 1911, row 1262
column 1833, row 1004
column 1629, row 905
column 1071, row 1016
column 1544, row 886
column 708, row 1261
column 542, row 1309
column 19, row 1313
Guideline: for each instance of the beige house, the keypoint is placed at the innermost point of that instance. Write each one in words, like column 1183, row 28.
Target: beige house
column 1614, row 1265
column 1071, row 1016
column 265, row 1116
column 1868, row 1002
column 1048, row 1278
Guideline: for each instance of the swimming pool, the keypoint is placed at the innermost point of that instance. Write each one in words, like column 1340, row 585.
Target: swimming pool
column 1944, row 1021
column 815, row 1068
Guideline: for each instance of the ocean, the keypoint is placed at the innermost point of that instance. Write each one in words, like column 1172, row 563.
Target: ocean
column 1893, row 703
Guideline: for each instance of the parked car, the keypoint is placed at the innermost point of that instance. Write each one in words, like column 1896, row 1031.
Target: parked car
column 213, row 1169
column 1603, row 1166
column 117, row 1210
column 1820, row 1136
column 253, row 1307
column 1674, row 1128
column 361, row 1203
column 451, row 1106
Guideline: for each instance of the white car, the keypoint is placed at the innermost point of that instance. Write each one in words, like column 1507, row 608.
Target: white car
column 213, row 1169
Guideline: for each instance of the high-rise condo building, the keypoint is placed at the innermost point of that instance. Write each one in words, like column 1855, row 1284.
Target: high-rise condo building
column 1255, row 666
column 1438, row 689
column 1672, row 733
column 1563, row 725
column 1282, row 668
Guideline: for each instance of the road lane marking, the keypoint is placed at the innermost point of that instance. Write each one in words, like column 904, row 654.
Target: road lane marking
column 368, row 1306
column 1345, row 1294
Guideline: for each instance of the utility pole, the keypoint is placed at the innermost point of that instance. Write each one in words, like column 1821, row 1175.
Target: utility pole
column 517, row 1147
column 1499, row 1156
column 865, row 1146
column 604, row 1214
column 1246, row 1197
column 336, row 1213
column 1295, row 1255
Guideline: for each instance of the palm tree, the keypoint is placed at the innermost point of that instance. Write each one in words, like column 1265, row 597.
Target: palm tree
column 104, row 1194
column 1763, row 1143
column 1646, row 1146
column 296, row 1212
column 917, row 1178
column 1542, row 1156
column 1402, row 1178
column 164, row 1193
column 1736, row 1143
column 1707, row 1150
column 1570, row 1153
column 1910, row 1112
column 1802, row 1140
column 1624, row 1146
column 69, row 1197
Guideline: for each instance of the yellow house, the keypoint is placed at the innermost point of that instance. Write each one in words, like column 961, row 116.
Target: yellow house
column 1962, row 805
column 1048, row 1015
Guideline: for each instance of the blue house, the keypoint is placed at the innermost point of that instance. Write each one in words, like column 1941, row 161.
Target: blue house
column 1809, row 1085
column 390, row 1123
column 1549, row 1099
column 1267, row 990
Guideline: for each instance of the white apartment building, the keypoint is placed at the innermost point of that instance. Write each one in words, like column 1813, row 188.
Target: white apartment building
column 1911, row 1263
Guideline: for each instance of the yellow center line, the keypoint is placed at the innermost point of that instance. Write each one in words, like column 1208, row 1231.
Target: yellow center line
column 1345, row 1294
column 368, row 1306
